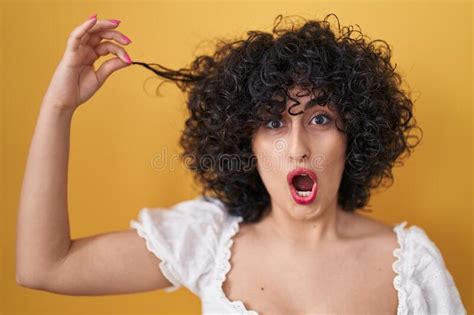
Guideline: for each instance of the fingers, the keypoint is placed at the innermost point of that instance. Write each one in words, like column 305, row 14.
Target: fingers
column 76, row 35
column 108, row 67
column 105, row 48
column 99, row 26
column 96, row 37
column 104, row 24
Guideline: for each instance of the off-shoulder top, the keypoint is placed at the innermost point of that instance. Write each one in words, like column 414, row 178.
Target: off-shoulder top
column 193, row 240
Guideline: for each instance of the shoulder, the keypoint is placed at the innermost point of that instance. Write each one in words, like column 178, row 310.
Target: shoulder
column 194, row 221
column 186, row 237
column 424, row 283
column 198, row 207
column 193, row 215
column 371, row 231
column 415, row 240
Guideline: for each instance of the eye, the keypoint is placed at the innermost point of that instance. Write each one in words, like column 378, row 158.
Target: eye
column 320, row 119
column 273, row 124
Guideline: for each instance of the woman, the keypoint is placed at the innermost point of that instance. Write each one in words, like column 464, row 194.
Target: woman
column 289, row 132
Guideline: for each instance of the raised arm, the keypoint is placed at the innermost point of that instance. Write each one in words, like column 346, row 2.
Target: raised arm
column 46, row 257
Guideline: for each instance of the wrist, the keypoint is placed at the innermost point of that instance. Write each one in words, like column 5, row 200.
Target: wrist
column 57, row 109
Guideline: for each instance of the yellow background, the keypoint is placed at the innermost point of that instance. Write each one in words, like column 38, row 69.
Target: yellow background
column 117, row 136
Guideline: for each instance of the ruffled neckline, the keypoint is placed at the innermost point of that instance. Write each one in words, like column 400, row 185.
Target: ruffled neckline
column 398, row 280
column 224, row 266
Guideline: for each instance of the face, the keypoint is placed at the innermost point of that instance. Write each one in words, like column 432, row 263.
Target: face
column 310, row 140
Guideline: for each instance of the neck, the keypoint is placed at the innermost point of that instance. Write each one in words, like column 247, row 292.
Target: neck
column 306, row 231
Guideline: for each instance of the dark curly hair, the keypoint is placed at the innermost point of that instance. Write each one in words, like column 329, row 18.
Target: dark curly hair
column 245, row 83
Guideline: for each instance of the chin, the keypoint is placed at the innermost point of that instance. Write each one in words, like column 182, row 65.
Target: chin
column 308, row 210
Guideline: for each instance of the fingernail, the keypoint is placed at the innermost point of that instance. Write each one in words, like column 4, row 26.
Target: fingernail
column 127, row 39
column 129, row 61
column 115, row 21
column 93, row 16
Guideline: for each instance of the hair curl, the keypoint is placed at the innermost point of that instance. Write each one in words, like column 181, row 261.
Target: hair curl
column 245, row 83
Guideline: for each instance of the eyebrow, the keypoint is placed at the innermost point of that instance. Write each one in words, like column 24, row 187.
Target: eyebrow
column 315, row 102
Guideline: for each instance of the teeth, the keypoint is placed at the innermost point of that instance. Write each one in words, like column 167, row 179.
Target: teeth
column 303, row 193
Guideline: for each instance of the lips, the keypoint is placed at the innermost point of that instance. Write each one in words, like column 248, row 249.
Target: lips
column 306, row 199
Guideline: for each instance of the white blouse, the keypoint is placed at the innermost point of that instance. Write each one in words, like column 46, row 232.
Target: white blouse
column 193, row 240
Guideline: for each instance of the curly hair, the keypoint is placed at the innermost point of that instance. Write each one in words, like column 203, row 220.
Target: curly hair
column 245, row 83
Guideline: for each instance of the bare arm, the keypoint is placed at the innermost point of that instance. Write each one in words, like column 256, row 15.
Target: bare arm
column 46, row 257
column 104, row 264
column 43, row 235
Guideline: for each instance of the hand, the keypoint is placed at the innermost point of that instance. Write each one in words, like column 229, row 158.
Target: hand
column 75, row 79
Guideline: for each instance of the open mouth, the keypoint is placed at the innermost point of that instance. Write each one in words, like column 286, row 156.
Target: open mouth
column 303, row 185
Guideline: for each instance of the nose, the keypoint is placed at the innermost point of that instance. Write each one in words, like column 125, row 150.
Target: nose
column 298, row 149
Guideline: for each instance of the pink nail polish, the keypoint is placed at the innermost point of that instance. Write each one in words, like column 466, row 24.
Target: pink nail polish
column 115, row 21
column 127, row 39
column 93, row 16
column 129, row 61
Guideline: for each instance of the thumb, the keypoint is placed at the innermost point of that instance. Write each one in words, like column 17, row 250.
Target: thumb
column 109, row 66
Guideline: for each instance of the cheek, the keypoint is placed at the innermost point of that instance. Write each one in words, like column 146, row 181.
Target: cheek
column 269, row 160
column 330, row 154
column 262, row 146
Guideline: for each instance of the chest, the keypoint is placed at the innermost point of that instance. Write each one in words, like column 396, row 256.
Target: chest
column 349, row 280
